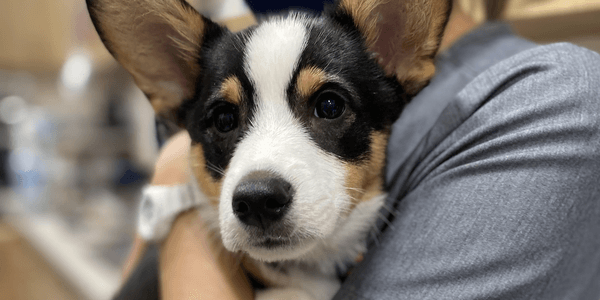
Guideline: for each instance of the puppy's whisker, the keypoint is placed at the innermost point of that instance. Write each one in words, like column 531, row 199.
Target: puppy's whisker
column 215, row 168
column 375, row 234
column 384, row 219
column 356, row 189
column 390, row 210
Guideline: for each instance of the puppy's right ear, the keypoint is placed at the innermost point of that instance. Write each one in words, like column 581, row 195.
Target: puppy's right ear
column 158, row 42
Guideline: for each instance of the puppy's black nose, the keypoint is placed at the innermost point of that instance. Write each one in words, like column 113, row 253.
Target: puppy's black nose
column 261, row 198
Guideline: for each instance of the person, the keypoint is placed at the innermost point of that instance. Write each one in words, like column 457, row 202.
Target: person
column 493, row 173
column 264, row 6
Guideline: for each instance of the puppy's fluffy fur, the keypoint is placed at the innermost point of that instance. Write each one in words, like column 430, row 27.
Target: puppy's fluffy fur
column 307, row 100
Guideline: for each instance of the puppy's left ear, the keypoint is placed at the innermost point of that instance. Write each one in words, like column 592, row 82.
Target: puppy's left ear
column 403, row 34
column 158, row 42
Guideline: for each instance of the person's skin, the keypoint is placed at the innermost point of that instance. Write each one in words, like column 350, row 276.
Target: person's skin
column 171, row 168
column 191, row 266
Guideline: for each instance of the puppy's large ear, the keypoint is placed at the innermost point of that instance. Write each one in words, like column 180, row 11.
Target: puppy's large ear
column 158, row 42
column 403, row 34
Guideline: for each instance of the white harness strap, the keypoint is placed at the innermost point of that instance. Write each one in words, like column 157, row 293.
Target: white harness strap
column 161, row 204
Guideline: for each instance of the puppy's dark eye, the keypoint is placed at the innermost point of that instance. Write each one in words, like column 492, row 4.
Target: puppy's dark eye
column 329, row 105
column 225, row 118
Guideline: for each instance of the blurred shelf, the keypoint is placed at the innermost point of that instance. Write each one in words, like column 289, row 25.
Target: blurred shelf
column 76, row 261
column 547, row 21
column 559, row 25
column 93, row 140
column 532, row 9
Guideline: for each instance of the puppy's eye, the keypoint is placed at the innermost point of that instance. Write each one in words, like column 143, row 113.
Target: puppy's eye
column 225, row 118
column 329, row 105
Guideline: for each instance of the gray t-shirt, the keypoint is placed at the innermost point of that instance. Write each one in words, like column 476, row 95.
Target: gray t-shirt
column 494, row 179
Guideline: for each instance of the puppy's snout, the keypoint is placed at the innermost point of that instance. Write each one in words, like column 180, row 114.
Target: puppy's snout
column 261, row 198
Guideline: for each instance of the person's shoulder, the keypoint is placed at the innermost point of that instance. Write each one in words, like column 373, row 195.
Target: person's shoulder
column 572, row 68
column 547, row 81
column 565, row 58
column 563, row 68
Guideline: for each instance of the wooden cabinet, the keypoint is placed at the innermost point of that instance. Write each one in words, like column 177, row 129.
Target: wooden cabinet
column 547, row 21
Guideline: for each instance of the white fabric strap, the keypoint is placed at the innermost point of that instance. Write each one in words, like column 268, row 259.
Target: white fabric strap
column 160, row 205
column 219, row 10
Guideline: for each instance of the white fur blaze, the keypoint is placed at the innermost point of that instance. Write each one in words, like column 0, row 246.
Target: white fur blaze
column 272, row 55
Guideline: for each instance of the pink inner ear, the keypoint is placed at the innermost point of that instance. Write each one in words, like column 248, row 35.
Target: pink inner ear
column 157, row 58
column 392, row 46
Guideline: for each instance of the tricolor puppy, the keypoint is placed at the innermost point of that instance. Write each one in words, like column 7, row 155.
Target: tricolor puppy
column 289, row 120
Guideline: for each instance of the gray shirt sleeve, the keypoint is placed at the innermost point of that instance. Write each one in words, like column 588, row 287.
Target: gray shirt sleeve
column 500, row 199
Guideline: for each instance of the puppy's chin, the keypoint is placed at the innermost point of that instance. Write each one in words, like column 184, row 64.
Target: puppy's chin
column 272, row 250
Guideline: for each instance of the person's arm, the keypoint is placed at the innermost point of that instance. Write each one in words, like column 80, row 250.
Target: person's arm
column 500, row 199
column 171, row 169
column 138, row 249
column 191, row 265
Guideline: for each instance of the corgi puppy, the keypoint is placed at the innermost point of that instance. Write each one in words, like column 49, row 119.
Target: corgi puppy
column 289, row 120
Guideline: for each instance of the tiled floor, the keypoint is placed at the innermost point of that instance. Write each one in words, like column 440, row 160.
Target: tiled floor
column 24, row 274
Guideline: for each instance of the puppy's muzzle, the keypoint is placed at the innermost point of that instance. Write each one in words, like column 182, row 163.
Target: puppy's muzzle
column 261, row 199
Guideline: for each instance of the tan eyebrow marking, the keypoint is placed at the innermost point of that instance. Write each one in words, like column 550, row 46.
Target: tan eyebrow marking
column 231, row 90
column 309, row 81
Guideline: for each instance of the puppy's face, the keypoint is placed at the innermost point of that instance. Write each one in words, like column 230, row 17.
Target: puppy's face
column 289, row 119
column 289, row 126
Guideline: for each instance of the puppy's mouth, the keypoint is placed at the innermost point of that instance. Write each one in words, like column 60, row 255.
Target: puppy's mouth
column 266, row 226
column 272, row 248
column 272, row 243
column 280, row 236
column 261, row 202
column 286, row 244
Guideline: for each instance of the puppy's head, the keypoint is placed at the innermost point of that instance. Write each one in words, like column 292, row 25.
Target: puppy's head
column 289, row 119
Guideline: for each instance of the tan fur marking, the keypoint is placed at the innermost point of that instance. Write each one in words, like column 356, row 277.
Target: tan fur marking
column 209, row 187
column 231, row 90
column 365, row 179
column 309, row 81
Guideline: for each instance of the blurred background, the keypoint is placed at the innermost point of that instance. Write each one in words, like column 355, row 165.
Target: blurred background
column 78, row 139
